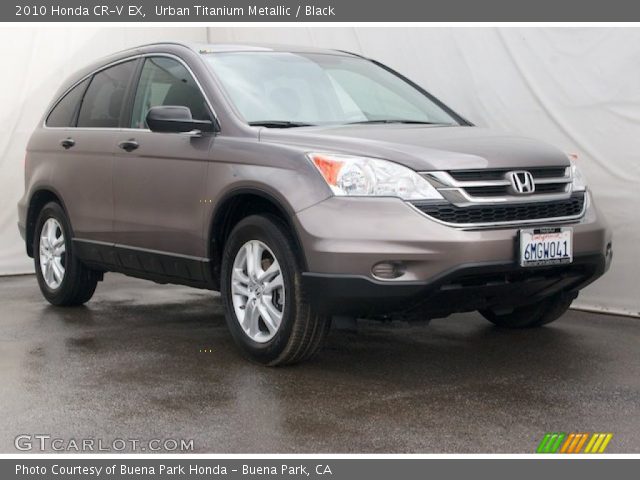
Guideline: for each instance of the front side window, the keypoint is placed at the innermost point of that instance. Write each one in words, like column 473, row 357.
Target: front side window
column 320, row 89
column 63, row 114
column 102, row 103
column 165, row 81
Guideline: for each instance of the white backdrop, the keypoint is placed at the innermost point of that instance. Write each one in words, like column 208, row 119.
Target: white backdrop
column 576, row 88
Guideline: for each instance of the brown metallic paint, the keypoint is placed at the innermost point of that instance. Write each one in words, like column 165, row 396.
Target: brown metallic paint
column 164, row 195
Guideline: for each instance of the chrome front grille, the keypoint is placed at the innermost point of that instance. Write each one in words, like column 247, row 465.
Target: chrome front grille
column 505, row 190
column 485, row 198
column 470, row 187
column 498, row 174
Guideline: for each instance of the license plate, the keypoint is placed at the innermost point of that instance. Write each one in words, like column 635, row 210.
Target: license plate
column 546, row 246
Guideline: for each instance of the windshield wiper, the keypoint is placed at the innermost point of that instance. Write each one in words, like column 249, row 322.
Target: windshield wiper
column 280, row 124
column 389, row 120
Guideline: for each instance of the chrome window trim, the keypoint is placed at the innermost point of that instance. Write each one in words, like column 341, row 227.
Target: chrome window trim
column 516, row 224
column 117, row 62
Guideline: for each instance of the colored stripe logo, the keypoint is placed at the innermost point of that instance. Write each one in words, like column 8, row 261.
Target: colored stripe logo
column 558, row 442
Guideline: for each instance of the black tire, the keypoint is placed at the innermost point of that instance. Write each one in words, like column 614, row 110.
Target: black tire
column 302, row 330
column 534, row 315
column 79, row 282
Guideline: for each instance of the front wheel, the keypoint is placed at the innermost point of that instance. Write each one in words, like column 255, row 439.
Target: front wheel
column 261, row 286
column 535, row 315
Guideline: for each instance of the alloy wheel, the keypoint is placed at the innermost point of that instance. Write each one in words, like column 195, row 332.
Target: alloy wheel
column 257, row 290
column 52, row 253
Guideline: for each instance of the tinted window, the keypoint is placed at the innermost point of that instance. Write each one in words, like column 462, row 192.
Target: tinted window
column 103, row 101
column 165, row 81
column 64, row 112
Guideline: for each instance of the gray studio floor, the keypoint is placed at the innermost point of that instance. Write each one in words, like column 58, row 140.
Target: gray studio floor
column 131, row 364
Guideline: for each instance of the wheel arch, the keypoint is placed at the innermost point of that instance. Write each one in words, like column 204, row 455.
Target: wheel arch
column 233, row 207
column 39, row 198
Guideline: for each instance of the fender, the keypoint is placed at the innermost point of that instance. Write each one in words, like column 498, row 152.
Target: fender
column 31, row 215
column 285, row 209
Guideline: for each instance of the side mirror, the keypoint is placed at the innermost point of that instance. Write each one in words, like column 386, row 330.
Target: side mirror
column 175, row 119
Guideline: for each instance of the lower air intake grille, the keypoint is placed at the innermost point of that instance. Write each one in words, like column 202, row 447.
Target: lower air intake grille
column 515, row 212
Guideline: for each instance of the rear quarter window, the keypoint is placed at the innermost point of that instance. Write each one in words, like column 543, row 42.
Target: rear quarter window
column 64, row 113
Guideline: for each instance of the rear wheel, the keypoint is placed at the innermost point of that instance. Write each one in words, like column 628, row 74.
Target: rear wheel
column 62, row 278
column 266, row 309
column 535, row 315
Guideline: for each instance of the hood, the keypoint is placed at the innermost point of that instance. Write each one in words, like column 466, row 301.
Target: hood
column 424, row 147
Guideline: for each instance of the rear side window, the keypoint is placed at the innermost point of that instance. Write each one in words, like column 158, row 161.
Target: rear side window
column 102, row 104
column 63, row 114
column 165, row 81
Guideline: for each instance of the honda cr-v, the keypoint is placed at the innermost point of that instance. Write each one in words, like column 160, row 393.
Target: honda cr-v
column 301, row 184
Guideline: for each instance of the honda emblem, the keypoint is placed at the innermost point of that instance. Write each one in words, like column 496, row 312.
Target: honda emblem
column 522, row 182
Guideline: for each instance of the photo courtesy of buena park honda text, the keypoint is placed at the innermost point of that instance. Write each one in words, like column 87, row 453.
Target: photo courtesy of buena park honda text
column 278, row 239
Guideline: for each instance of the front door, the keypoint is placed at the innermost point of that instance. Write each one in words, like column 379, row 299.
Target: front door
column 159, row 178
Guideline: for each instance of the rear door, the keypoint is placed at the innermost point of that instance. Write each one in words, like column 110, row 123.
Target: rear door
column 159, row 178
column 83, row 149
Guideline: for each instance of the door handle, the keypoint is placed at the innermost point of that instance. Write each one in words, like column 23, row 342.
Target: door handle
column 67, row 143
column 128, row 145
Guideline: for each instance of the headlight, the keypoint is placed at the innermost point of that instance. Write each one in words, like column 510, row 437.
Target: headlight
column 579, row 182
column 348, row 175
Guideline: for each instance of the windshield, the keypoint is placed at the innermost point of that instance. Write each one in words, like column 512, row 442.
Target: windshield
column 278, row 89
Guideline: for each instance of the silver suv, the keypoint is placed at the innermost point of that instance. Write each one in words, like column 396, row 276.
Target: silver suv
column 301, row 184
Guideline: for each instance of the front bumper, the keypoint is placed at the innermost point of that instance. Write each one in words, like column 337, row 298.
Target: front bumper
column 343, row 238
column 466, row 288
